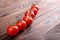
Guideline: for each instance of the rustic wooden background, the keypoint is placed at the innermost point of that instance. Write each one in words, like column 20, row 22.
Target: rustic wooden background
column 44, row 24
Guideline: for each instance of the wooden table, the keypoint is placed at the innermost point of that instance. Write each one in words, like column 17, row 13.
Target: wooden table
column 46, row 20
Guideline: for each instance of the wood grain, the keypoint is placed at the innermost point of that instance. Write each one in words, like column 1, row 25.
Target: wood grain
column 47, row 18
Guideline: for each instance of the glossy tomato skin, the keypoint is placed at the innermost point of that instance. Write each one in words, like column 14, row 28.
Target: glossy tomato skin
column 22, row 25
column 30, row 13
column 12, row 30
column 28, row 20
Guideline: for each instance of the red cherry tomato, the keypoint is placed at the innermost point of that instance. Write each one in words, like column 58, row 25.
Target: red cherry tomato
column 22, row 25
column 35, row 6
column 12, row 30
column 30, row 13
column 28, row 20
column 34, row 10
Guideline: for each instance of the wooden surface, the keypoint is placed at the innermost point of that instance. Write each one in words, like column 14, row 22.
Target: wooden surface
column 45, row 21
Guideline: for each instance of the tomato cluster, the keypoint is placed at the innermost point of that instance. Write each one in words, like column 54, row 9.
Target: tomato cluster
column 24, row 23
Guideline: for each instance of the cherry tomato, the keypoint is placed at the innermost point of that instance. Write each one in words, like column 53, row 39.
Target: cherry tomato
column 28, row 20
column 12, row 30
column 22, row 25
column 34, row 10
column 35, row 6
column 30, row 13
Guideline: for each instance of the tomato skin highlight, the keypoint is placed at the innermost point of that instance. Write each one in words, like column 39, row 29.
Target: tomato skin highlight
column 12, row 30
column 30, row 13
column 21, row 25
column 28, row 20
